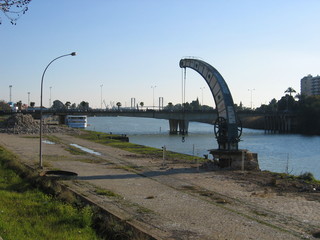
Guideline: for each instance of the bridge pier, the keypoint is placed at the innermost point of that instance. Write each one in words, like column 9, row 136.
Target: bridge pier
column 173, row 125
column 278, row 123
column 180, row 126
column 183, row 126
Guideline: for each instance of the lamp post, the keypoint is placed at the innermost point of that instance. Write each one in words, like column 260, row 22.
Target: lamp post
column 50, row 98
column 10, row 87
column 251, row 95
column 153, row 87
column 101, row 96
column 40, row 152
column 28, row 99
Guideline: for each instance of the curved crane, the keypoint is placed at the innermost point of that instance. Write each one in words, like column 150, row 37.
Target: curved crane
column 226, row 128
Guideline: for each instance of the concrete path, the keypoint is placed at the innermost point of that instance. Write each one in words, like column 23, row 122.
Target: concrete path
column 175, row 202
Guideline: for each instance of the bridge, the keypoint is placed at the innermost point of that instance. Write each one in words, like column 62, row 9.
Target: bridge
column 178, row 119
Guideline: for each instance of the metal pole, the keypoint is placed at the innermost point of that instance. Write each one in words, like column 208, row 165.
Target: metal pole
column 101, row 95
column 164, row 149
column 50, row 98
column 153, row 87
column 28, row 99
column 10, row 87
column 41, row 110
column 251, row 95
column 184, row 85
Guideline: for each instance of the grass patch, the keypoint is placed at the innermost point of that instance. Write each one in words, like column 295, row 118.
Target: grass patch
column 27, row 213
column 75, row 151
column 107, row 193
column 31, row 136
column 306, row 177
column 111, row 140
column 3, row 118
column 54, row 139
column 144, row 210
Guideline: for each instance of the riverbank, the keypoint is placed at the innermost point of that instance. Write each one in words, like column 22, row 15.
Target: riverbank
column 51, row 218
column 177, row 199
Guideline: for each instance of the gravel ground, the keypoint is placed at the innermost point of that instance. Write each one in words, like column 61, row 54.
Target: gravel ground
column 180, row 201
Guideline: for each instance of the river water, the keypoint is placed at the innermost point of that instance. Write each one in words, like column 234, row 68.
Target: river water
column 292, row 153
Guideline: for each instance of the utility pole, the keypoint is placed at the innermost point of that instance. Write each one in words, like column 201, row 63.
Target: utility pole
column 153, row 87
column 101, row 95
column 10, row 87
column 251, row 95
column 28, row 99
column 133, row 103
column 50, row 98
column 160, row 103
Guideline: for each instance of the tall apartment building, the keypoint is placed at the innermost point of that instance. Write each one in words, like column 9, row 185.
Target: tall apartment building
column 310, row 85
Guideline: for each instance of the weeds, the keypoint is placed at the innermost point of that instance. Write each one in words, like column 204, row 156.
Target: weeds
column 112, row 140
column 27, row 213
column 75, row 151
column 107, row 193
column 308, row 177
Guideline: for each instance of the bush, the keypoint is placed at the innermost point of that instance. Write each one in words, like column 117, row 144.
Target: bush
column 307, row 176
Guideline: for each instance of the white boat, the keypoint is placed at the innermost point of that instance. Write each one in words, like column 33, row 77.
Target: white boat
column 75, row 121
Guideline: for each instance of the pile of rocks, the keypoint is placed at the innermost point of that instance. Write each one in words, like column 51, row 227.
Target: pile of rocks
column 25, row 124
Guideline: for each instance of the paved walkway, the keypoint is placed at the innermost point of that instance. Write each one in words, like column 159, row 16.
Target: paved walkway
column 176, row 202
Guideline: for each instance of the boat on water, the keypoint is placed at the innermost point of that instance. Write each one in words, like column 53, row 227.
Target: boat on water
column 77, row 121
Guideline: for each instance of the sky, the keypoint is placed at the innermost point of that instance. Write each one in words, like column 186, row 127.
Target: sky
column 133, row 48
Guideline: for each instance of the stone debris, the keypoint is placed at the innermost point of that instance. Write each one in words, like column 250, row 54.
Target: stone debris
column 25, row 124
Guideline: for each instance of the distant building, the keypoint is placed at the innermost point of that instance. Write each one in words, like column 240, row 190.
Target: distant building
column 310, row 85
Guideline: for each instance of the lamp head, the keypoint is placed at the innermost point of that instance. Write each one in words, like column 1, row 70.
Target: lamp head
column 73, row 53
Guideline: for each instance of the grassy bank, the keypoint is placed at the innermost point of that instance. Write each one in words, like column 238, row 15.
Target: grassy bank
column 110, row 140
column 28, row 213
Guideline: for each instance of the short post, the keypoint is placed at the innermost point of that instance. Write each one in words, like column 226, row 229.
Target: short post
column 164, row 155
column 192, row 149
column 242, row 162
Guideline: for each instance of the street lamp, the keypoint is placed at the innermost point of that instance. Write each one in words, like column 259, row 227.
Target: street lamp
column 251, row 95
column 10, row 87
column 50, row 98
column 153, row 87
column 28, row 99
column 101, row 96
column 40, row 152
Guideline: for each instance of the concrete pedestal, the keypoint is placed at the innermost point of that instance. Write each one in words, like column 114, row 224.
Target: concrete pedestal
column 240, row 159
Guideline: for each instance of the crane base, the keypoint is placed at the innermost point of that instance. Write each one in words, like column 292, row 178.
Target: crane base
column 240, row 159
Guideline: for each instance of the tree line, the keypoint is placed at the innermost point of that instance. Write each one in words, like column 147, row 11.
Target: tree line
column 305, row 108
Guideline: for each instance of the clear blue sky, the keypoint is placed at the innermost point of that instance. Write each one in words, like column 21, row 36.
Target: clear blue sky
column 131, row 45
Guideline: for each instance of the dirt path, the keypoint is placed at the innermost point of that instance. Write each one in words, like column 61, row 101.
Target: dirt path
column 177, row 201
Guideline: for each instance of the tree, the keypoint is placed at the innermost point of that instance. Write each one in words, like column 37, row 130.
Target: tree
column 83, row 105
column 290, row 90
column 170, row 106
column 119, row 105
column 141, row 104
column 67, row 104
column 4, row 106
column 13, row 9
column 73, row 106
column 19, row 105
column 309, row 115
column 58, row 105
column 195, row 105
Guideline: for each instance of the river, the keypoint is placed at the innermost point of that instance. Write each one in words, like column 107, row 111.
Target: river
column 292, row 153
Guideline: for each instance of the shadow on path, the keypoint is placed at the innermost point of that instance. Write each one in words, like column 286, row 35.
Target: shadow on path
column 141, row 175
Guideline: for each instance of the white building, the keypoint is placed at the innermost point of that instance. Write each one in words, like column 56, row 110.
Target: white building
column 310, row 85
